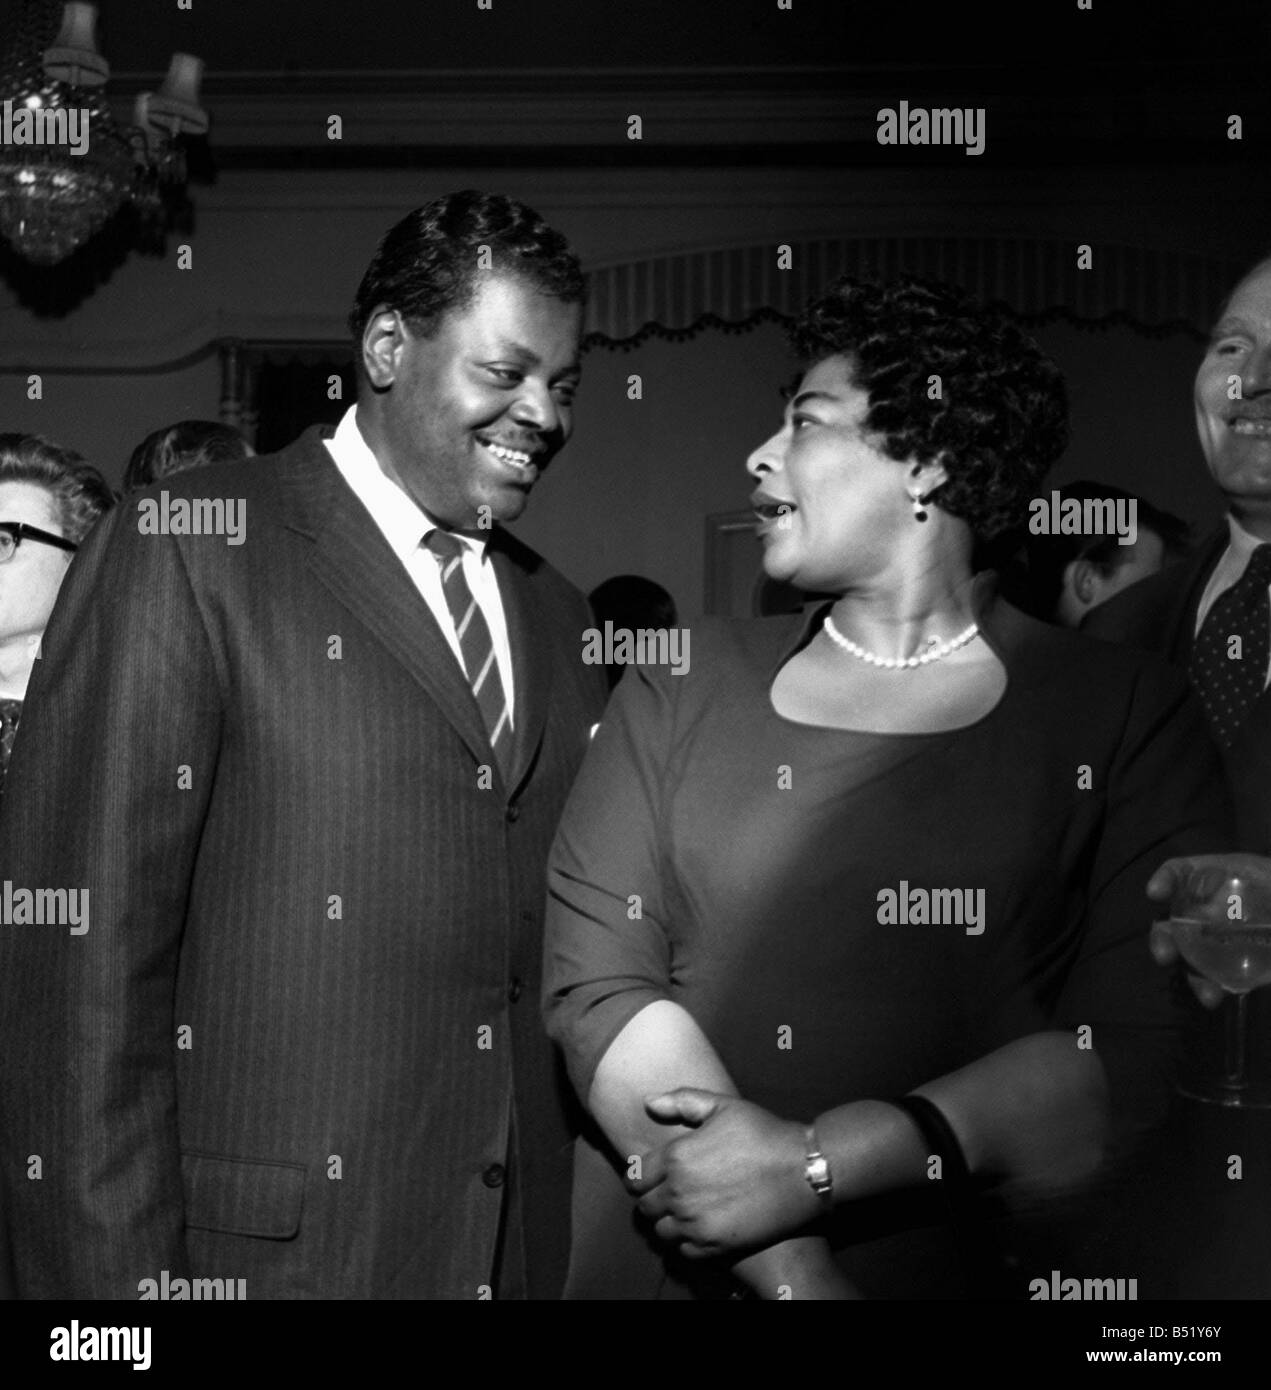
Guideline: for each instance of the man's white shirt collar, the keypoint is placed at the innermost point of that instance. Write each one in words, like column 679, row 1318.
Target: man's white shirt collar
column 402, row 520
column 404, row 525
column 1241, row 543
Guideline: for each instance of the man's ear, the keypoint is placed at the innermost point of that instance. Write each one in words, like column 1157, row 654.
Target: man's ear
column 382, row 341
column 1082, row 578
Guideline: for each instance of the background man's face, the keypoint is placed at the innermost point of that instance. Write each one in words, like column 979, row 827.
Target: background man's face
column 1236, row 434
column 477, row 411
column 1086, row 586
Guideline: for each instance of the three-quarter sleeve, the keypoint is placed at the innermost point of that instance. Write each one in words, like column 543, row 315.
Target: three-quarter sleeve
column 606, row 949
column 1165, row 796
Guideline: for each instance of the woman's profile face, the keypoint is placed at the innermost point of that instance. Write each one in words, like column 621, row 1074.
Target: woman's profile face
column 830, row 501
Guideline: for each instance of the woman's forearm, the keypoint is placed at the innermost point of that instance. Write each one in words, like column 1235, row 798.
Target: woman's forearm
column 1034, row 1111
column 1032, row 1114
column 660, row 1049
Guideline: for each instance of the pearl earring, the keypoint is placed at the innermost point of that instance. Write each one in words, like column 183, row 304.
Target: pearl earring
column 920, row 511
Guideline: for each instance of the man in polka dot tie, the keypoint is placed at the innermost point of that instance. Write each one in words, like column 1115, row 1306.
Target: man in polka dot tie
column 1212, row 614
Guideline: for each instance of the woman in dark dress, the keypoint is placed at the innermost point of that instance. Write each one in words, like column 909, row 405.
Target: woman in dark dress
column 847, row 935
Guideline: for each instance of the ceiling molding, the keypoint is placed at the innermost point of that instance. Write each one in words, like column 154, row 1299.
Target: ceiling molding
column 442, row 116
column 466, row 121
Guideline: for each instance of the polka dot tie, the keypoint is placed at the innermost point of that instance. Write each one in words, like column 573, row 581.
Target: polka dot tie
column 10, row 712
column 1229, row 659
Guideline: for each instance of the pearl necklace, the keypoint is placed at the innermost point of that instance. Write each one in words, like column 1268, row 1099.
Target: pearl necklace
column 935, row 648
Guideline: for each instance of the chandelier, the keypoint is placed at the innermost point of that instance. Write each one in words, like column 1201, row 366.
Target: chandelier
column 67, row 166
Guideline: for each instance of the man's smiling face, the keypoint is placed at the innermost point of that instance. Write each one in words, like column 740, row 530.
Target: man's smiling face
column 473, row 414
column 1235, row 434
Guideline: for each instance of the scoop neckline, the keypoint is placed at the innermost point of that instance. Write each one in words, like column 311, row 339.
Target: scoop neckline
column 982, row 596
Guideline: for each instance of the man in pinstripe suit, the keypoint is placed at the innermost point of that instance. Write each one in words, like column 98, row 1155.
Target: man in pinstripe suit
column 308, row 776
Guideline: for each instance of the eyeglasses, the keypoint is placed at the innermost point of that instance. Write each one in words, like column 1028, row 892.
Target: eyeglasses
column 13, row 533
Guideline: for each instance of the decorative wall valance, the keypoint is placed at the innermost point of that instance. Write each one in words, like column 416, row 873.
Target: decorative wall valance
column 731, row 289
column 674, row 297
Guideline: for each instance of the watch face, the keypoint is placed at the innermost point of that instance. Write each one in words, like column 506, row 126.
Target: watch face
column 818, row 1174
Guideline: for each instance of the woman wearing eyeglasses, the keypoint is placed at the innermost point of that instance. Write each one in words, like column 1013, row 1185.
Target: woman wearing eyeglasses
column 49, row 500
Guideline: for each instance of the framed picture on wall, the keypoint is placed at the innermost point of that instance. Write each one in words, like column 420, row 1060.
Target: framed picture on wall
column 272, row 390
column 736, row 584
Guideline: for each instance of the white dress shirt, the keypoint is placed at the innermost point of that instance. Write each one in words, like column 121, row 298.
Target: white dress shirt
column 1227, row 572
column 404, row 525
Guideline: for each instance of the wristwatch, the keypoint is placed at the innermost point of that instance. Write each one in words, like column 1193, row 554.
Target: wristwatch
column 816, row 1169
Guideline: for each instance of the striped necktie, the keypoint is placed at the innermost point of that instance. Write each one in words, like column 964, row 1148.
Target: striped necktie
column 476, row 644
column 1228, row 675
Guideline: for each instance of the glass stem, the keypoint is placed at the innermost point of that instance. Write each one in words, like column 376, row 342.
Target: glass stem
column 1237, row 1024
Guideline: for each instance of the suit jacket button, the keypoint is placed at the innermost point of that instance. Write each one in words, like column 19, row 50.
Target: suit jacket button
column 513, row 812
column 514, row 989
column 493, row 1175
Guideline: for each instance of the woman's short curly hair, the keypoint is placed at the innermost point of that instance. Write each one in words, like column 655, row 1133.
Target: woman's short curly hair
column 1000, row 418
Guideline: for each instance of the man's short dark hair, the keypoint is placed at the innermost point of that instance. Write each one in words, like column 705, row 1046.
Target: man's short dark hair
column 187, row 444
column 429, row 263
column 78, row 490
column 632, row 601
column 1001, row 418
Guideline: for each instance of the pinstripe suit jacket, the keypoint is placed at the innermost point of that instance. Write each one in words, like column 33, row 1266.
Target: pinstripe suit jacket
column 299, row 1040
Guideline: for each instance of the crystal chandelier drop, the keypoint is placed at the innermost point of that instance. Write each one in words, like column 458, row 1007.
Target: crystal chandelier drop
column 67, row 166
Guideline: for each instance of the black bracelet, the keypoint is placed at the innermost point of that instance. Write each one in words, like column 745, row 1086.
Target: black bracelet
column 941, row 1141
column 980, row 1253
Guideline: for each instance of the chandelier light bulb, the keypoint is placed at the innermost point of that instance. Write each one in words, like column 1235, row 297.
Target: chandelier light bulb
column 74, row 57
column 185, row 72
column 175, row 106
column 79, row 27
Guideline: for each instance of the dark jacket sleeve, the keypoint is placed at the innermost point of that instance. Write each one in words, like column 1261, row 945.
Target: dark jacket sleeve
column 107, row 791
column 606, row 951
column 1165, row 796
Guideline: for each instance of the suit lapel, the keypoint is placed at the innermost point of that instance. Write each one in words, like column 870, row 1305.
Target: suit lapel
column 529, row 638
column 353, row 560
column 1180, row 620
